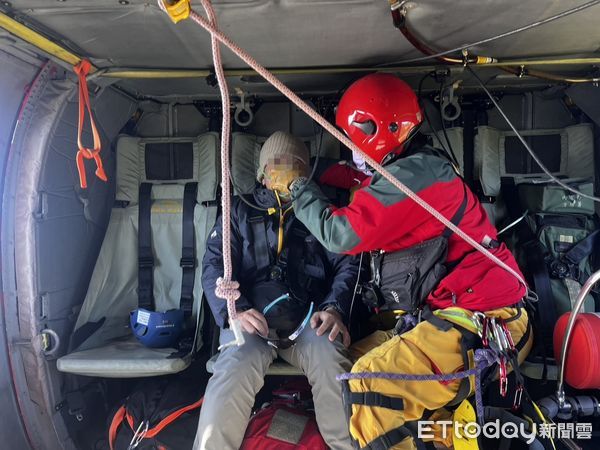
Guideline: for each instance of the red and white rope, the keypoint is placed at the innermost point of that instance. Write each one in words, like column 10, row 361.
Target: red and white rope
column 229, row 289
column 217, row 35
column 226, row 287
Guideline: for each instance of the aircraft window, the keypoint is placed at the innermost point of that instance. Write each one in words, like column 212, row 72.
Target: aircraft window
column 169, row 161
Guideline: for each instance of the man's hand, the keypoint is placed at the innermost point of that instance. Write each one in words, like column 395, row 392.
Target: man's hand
column 253, row 322
column 330, row 320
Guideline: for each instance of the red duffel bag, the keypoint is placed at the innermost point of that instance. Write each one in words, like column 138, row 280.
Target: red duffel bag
column 582, row 368
column 286, row 423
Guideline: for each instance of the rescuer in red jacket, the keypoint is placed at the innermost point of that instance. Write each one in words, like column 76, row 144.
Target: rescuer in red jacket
column 422, row 268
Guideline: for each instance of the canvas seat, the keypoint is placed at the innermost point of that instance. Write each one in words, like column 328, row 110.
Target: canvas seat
column 502, row 161
column 102, row 344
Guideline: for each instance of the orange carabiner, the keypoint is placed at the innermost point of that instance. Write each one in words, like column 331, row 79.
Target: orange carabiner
column 82, row 70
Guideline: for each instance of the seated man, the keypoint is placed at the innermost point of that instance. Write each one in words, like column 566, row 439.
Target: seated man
column 286, row 279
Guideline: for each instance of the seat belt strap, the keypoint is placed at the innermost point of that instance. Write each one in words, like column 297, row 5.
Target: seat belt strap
column 261, row 243
column 546, row 310
column 145, row 255
column 188, row 249
column 582, row 249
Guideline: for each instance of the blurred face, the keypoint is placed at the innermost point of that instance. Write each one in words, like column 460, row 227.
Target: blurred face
column 280, row 171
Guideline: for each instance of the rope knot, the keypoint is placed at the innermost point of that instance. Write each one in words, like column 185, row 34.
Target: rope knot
column 228, row 289
column 406, row 323
column 485, row 358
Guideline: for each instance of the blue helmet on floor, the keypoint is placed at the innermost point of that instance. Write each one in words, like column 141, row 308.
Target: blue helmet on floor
column 157, row 329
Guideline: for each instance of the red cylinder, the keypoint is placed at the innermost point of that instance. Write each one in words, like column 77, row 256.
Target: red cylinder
column 582, row 369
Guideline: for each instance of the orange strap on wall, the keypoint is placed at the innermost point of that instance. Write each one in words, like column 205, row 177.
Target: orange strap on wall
column 82, row 70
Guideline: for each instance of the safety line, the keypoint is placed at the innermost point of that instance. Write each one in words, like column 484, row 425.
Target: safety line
column 218, row 35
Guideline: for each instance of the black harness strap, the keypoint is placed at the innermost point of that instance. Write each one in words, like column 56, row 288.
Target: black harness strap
column 261, row 243
column 468, row 342
column 458, row 215
column 439, row 323
column 582, row 249
column 145, row 255
column 546, row 310
column 413, row 428
column 375, row 399
column 188, row 249
column 389, row 439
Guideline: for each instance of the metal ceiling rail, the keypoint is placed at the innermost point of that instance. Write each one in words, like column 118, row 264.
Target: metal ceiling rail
column 149, row 73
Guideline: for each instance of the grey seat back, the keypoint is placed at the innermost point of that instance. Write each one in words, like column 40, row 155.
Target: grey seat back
column 245, row 151
column 499, row 155
column 168, row 164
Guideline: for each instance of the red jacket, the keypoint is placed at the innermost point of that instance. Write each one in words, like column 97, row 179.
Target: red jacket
column 381, row 217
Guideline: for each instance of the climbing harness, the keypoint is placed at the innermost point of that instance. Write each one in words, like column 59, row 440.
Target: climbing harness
column 82, row 70
column 227, row 288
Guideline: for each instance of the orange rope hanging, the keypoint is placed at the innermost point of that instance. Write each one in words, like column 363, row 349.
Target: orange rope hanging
column 82, row 70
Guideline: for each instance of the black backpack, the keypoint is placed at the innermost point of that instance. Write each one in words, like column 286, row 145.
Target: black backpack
column 558, row 242
column 161, row 414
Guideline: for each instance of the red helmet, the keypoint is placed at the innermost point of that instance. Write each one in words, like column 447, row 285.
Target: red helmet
column 378, row 113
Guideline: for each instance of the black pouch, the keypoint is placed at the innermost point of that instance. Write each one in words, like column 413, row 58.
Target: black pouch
column 408, row 276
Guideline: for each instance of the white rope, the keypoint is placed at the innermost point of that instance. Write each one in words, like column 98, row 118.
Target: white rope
column 226, row 288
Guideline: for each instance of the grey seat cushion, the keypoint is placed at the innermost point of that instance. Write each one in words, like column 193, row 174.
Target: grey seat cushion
column 278, row 367
column 123, row 359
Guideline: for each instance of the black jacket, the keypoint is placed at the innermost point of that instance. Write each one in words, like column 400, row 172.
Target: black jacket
column 340, row 270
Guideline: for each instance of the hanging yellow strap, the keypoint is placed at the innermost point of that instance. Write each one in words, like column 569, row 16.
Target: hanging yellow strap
column 282, row 215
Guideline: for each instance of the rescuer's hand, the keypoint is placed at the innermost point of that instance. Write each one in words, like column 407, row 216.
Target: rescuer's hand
column 253, row 322
column 330, row 320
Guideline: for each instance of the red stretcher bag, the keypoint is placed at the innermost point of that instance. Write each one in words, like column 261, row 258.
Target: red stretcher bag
column 285, row 424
